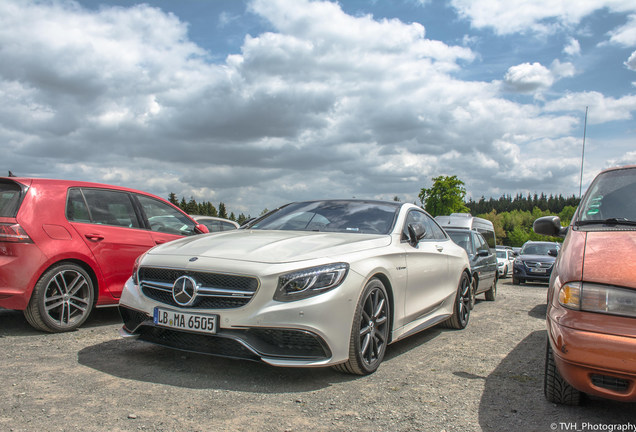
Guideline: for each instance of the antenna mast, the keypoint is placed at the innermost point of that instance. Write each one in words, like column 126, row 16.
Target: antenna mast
column 583, row 153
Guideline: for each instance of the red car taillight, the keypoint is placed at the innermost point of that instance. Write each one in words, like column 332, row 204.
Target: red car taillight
column 13, row 233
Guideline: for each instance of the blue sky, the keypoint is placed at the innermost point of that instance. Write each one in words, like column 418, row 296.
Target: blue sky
column 258, row 103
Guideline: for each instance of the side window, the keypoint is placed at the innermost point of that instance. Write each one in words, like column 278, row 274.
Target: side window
column 480, row 243
column 225, row 226
column 165, row 218
column 418, row 217
column 76, row 209
column 490, row 238
column 438, row 233
column 105, row 207
column 212, row 225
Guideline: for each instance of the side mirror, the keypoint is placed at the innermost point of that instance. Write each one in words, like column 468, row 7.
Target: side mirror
column 553, row 252
column 202, row 229
column 550, row 226
column 416, row 233
column 483, row 253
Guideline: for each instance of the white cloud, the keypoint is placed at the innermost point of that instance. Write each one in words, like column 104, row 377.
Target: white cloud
column 323, row 105
column 573, row 48
column 540, row 16
column 602, row 109
column 625, row 35
column 631, row 62
column 530, row 78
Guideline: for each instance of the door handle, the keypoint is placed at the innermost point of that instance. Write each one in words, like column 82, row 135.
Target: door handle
column 161, row 241
column 94, row 237
column 439, row 248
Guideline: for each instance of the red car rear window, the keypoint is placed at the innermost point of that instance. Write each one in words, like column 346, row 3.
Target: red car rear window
column 11, row 194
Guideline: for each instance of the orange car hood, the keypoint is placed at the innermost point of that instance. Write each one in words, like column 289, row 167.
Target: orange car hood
column 610, row 258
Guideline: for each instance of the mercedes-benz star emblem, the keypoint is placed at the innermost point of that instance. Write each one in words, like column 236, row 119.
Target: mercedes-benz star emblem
column 184, row 291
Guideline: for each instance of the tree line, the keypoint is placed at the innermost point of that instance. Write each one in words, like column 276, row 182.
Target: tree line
column 512, row 218
column 206, row 208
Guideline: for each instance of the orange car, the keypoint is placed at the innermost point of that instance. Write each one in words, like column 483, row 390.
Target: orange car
column 591, row 315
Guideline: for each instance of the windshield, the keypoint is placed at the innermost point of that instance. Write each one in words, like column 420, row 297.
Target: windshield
column 501, row 254
column 612, row 196
column 367, row 217
column 538, row 248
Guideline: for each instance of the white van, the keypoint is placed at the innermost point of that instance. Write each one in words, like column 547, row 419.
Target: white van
column 468, row 221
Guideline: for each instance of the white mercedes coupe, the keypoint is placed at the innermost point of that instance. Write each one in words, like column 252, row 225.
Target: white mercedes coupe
column 319, row 283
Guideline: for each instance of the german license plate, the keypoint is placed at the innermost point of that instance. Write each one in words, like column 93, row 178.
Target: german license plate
column 538, row 270
column 194, row 322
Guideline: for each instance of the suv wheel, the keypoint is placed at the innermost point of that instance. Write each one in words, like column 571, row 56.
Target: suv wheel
column 62, row 299
column 555, row 388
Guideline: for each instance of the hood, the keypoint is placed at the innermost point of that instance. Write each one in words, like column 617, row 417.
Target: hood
column 271, row 246
column 609, row 258
column 537, row 258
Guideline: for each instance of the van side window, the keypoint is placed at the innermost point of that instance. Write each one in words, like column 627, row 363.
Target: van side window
column 480, row 243
column 490, row 238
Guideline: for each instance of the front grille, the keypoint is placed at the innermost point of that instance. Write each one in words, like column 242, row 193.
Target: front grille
column 610, row 382
column 216, row 290
column 537, row 264
column 287, row 343
column 204, row 344
column 132, row 318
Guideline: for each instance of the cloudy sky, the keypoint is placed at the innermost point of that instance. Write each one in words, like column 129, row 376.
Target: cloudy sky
column 261, row 102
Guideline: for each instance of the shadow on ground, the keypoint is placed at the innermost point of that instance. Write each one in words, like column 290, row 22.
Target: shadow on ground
column 513, row 395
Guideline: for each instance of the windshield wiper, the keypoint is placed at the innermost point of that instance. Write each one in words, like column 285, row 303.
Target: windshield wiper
column 609, row 221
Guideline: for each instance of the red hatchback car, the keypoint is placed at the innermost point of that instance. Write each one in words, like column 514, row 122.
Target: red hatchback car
column 67, row 247
column 591, row 315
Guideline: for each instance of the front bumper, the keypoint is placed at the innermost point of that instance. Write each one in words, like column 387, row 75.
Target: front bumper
column 310, row 332
column 600, row 364
column 520, row 271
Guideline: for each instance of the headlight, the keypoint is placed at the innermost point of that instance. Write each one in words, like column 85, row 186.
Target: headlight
column 309, row 282
column 598, row 298
column 135, row 279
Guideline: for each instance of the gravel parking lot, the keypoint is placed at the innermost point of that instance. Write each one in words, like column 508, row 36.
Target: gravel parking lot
column 488, row 377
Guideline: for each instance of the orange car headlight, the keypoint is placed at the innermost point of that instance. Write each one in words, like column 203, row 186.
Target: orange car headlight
column 598, row 298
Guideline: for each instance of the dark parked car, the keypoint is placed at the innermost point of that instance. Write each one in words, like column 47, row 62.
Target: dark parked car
column 67, row 247
column 591, row 314
column 534, row 262
column 483, row 261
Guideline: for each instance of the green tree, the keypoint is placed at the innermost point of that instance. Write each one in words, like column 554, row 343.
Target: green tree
column 222, row 211
column 173, row 199
column 446, row 196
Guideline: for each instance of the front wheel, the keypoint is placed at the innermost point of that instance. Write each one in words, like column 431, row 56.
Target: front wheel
column 62, row 299
column 492, row 292
column 370, row 331
column 555, row 388
column 461, row 308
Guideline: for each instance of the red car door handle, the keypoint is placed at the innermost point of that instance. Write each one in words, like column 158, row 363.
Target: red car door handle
column 161, row 241
column 94, row 237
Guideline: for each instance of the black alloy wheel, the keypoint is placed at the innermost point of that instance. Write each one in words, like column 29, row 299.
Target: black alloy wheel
column 370, row 331
column 461, row 307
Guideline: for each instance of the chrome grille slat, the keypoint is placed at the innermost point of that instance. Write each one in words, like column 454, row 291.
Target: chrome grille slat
column 215, row 290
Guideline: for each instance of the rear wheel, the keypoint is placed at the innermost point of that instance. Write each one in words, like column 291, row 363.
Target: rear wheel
column 515, row 281
column 555, row 388
column 62, row 299
column 370, row 331
column 505, row 273
column 461, row 308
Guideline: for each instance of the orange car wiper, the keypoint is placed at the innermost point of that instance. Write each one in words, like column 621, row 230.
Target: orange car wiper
column 608, row 221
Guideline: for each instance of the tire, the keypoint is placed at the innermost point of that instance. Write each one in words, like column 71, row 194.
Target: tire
column 555, row 388
column 505, row 273
column 473, row 294
column 370, row 330
column 492, row 292
column 461, row 308
column 62, row 299
column 515, row 281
